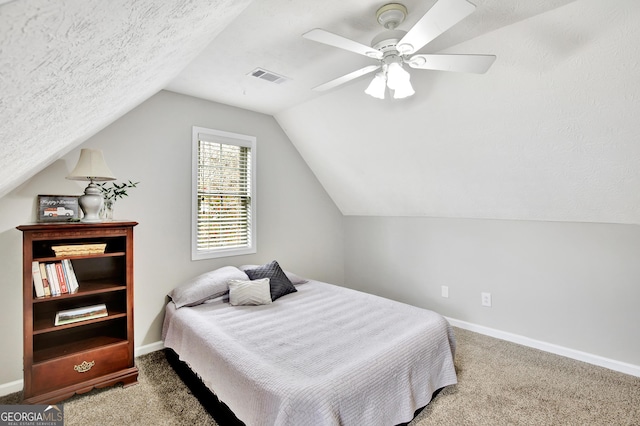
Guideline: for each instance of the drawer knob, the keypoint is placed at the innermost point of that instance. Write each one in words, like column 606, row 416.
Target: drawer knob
column 84, row 367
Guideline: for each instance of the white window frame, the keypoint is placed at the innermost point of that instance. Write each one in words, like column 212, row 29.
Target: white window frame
column 219, row 136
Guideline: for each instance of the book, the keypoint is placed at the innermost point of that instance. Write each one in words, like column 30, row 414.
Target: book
column 72, row 280
column 70, row 316
column 65, row 272
column 38, row 285
column 45, row 280
column 61, row 278
column 52, row 276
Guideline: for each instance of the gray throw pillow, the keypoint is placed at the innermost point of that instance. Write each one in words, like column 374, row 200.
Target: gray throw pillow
column 278, row 281
column 294, row 278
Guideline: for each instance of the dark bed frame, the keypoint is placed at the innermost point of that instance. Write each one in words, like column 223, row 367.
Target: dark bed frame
column 210, row 402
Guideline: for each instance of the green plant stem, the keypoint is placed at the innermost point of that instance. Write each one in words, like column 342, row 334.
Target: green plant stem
column 116, row 191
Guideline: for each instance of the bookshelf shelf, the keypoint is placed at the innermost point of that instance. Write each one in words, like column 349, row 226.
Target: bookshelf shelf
column 88, row 288
column 47, row 325
column 85, row 256
column 62, row 360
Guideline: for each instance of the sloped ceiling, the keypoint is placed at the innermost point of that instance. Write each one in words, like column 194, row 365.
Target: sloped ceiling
column 549, row 133
column 69, row 68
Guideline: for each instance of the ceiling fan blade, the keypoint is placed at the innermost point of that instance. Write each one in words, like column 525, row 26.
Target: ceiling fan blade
column 478, row 64
column 345, row 78
column 322, row 36
column 442, row 16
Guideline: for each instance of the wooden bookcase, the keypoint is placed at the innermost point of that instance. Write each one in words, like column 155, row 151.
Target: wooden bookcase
column 63, row 360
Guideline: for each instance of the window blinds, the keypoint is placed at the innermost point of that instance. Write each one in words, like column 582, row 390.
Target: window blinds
column 224, row 194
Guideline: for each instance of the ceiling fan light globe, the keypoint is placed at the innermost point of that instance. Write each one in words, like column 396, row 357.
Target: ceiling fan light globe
column 377, row 86
column 404, row 91
column 397, row 76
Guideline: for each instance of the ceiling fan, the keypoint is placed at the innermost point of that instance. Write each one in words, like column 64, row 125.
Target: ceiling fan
column 395, row 48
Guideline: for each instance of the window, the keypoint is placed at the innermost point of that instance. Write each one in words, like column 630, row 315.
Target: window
column 224, row 213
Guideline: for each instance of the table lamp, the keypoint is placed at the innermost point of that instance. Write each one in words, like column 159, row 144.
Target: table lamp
column 91, row 167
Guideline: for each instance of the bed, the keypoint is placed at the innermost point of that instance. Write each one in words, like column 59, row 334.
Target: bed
column 318, row 355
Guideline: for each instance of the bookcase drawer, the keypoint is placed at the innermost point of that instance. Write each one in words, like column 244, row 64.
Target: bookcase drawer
column 79, row 367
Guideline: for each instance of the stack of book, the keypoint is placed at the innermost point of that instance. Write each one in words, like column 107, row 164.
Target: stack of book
column 54, row 278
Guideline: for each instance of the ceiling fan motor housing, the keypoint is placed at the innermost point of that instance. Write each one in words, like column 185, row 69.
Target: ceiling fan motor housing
column 387, row 40
column 387, row 44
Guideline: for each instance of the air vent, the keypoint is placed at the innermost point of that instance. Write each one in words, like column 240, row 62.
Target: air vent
column 268, row 76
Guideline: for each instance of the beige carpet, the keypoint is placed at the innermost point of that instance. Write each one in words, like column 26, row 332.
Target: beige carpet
column 500, row 383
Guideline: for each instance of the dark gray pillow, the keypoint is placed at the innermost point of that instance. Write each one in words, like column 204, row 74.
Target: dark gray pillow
column 294, row 278
column 279, row 284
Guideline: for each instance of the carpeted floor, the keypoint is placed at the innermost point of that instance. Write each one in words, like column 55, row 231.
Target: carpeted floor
column 499, row 383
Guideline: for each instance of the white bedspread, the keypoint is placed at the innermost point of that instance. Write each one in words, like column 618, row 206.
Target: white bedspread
column 325, row 355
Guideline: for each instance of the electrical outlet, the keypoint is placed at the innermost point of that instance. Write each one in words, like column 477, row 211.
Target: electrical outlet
column 445, row 291
column 486, row 299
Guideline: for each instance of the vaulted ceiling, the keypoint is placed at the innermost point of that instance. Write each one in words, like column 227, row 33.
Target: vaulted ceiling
column 549, row 133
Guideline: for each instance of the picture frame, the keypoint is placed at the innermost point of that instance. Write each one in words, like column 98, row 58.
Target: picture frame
column 70, row 316
column 58, row 208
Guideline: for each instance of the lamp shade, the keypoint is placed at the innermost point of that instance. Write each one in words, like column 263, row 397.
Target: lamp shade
column 91, row 166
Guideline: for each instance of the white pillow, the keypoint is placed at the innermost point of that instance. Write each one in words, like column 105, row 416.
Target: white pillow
column 242, row 292
column 206, row 286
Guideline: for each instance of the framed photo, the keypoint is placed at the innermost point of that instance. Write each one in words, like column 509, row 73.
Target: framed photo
column 57, row 208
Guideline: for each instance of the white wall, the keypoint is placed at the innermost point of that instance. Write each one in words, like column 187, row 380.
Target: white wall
column 569, row 284
column 298, row 224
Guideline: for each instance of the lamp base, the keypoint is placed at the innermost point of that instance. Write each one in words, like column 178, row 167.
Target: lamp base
column 91, row 203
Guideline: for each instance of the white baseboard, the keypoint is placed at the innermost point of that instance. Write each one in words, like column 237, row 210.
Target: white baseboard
column 16, row 386
column 611, row 364
column 11, row 387
column 147, row 349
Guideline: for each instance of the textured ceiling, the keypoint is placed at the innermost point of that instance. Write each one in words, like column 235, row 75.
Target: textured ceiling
column 549, row 133
column 69, row 68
